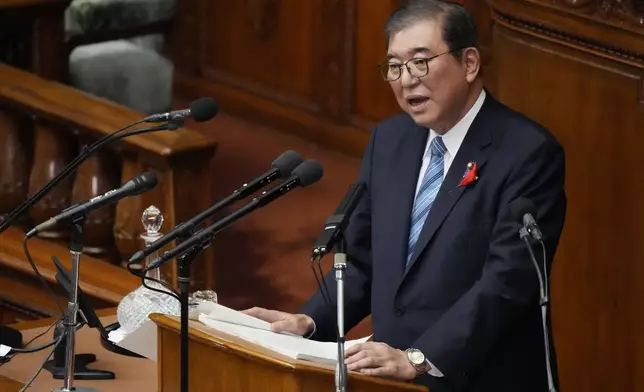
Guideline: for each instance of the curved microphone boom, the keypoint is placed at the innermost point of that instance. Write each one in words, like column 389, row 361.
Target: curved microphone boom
column 524, row 211
column 135, row 186
column 307, row 173
column 281, row 168
column 202, row 109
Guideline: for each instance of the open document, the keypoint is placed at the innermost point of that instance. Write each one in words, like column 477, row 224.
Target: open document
column 245, row 327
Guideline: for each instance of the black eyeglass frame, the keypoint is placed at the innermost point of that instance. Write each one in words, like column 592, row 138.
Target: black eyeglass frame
column 424, row 59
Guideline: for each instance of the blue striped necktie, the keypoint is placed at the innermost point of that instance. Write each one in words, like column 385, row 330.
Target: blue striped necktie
column 432, row 181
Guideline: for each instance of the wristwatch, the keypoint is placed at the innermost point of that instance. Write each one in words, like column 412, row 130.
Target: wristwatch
column 418, row 360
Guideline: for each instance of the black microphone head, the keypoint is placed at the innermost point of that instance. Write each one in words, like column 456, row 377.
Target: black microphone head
column 144, row 182
column 203, row 109
column 286, row 162
column 521, row 206
column 308, row 172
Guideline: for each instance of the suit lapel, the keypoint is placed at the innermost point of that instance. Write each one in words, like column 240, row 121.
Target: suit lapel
column 471, row 150
column 403, row 177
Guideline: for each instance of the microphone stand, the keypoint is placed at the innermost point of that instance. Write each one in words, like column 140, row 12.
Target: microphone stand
column 340, row 265
column 71, row 316
column 185, row 260
column 543, row 303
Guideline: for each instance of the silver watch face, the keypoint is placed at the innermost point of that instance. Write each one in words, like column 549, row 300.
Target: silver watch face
column 416, row 357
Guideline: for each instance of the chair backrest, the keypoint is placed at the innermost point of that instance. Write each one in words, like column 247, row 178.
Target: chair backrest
column 93, row 21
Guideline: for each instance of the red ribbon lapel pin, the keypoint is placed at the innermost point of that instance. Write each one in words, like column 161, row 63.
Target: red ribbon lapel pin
column 470, row 174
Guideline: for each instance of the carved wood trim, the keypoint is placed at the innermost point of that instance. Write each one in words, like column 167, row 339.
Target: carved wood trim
column 581, row 24
column 616, row 12
column 586, row 44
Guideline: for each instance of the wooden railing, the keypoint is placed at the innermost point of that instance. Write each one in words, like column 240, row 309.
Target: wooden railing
column 43, row 124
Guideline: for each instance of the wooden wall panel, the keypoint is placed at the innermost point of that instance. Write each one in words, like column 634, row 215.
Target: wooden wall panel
column 304, row 67
column 373, row 97
column 270, row 54
column 575, row 67
column 595, row 302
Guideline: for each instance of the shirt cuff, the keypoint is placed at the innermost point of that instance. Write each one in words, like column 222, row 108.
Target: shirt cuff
column 310, row 334
column 433, row 371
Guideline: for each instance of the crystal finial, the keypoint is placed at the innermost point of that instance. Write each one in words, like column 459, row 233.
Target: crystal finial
column 152, row 220
column 134, row 309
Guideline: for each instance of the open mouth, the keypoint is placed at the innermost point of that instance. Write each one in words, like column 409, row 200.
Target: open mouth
column 417, row 102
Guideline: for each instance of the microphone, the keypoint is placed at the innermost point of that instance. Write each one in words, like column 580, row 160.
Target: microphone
column 202, row 109
column 8, row 219
column 281, row 167
column 135, row 186
column 307, row 173
column 523, row 210
column 337, row 223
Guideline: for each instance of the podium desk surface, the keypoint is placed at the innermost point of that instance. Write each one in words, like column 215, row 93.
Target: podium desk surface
column 229, row 349
column 137, row 374
column 132, row 374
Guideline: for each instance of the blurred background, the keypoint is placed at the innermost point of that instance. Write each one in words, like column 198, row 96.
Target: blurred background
column 301, row 75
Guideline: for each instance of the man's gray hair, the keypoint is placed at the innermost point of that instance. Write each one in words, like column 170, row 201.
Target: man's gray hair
column 457, row 24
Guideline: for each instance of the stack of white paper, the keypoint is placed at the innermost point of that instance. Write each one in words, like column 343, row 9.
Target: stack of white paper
column 143, row 340
column 259, row 332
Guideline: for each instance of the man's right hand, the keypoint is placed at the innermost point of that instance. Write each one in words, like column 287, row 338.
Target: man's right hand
column 299, row 324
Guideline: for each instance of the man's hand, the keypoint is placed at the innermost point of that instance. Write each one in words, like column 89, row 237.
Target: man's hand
column 379, row 359
column 299, row 324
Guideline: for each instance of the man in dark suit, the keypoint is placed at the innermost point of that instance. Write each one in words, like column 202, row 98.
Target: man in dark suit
column 434, row 250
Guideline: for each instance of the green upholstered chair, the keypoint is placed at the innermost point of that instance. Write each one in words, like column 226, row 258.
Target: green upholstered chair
column 116, row 51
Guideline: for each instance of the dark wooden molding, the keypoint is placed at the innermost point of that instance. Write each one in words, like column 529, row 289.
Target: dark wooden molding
column 566, row 38
column 616, row 12
column 585, row 26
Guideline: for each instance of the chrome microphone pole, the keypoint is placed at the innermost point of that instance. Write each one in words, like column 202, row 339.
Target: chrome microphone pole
column 71, row 317
column 340, row 265
column 543, row 303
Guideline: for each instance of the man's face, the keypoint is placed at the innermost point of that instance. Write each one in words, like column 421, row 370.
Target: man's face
column 435, row 100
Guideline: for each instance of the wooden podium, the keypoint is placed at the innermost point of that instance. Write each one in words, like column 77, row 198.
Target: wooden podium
column 221, row 362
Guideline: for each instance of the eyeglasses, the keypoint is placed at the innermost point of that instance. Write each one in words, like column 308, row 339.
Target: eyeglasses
column 417, row 67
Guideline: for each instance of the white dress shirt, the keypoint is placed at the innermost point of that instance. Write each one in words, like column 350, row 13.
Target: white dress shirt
column 452, row 140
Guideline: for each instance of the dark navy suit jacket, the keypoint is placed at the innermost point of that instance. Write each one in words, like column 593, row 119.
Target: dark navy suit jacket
column 469, row 296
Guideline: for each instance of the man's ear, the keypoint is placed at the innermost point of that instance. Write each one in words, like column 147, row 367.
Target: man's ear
column 471, row 58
